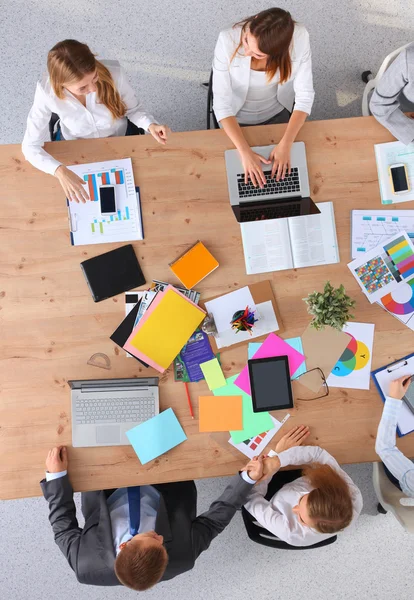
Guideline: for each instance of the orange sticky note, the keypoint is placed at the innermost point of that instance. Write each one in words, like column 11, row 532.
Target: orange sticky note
column 220, row 413
column 194, row 265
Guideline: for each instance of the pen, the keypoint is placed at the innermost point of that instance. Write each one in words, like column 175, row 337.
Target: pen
column 189, row 400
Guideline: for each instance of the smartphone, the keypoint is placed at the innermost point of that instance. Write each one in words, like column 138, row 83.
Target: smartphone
column 399, row 178
column 107, row 199
column 408, row 398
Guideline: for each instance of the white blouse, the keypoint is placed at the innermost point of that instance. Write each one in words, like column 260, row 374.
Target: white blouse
column 277, row 515
column 76, row 120
column 261, row 101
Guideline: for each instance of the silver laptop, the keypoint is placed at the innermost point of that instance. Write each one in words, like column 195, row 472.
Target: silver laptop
column 288, row 197
column 103, row 410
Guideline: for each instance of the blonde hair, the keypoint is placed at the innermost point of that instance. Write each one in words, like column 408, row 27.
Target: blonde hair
column 329, row 503
column 69, row 61
column 140, row 568
column 273, row 28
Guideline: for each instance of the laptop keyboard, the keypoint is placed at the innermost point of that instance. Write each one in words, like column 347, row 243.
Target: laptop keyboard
column 270, row 212
column 290, row 184
column 114, row 410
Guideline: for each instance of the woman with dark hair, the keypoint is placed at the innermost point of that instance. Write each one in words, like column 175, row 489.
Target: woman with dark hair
column 92, row 98
column 306, row 510
column 261, row 68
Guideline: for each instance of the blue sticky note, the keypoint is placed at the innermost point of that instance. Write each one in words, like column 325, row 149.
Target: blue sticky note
column 295, row 342
column 156, row 436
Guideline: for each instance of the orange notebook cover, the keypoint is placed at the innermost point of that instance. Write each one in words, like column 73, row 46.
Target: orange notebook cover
column 194, row 265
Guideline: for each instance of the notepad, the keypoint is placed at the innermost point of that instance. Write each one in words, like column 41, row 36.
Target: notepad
column 220, row 413
column 194, row 265
column 164, row 329
column 213, row 374
column 253, row 423
column 156, row 436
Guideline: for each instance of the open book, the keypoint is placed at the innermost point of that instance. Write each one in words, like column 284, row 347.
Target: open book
column 279, row 244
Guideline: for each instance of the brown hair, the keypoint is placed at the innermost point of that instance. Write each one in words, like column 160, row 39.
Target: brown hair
column 330, row 503
column 273, row 29
column 140, row 568
column 69, row 61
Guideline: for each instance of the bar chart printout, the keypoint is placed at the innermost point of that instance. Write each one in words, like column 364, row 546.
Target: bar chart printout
column 88, row 224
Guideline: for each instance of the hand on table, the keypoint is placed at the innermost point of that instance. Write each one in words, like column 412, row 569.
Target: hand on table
column 159, row 132
column 280, row 155
column 398, row 387
column 252, row 167
column 73, row 186
column 295, row 437
column 57, row 460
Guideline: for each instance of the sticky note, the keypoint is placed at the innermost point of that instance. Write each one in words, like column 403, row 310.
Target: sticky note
column 253, row 423
column 213, row 374
column 220, row 413
column 156, row 436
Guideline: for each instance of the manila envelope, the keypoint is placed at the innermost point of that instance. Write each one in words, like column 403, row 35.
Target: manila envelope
column 322, row 349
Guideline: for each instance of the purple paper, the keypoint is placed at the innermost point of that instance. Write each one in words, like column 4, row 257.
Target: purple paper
column 272, row 346
column 196, row 351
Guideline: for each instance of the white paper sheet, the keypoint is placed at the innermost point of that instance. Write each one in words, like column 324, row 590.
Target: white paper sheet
column 256, row 445
column 267, row 323
column 353, row 369
column 373, row 227
column 224, row 307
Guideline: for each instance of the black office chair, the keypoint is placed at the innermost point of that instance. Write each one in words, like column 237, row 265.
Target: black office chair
column 265, row 538
column 210, row 112
column 132, row 129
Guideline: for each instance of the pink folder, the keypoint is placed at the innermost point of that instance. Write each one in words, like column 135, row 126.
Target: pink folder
column 272, row 346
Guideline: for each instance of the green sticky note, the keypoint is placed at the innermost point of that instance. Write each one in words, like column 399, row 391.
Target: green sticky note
column 253, row 423
column 213, row 374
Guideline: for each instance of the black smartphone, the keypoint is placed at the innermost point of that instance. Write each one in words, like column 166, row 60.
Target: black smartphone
column 107, row 199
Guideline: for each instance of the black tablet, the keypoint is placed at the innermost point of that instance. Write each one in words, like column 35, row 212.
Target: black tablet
column 270, row 383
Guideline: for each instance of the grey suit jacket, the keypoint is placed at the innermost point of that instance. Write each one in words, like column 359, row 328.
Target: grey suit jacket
column 395, row 93
column 90, row 550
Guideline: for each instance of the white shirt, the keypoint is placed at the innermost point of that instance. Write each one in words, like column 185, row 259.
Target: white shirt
column 400, row 466
column 76, row 120
column 119, row 510
column 261, row 101
column 231, row 77
column 277, row 515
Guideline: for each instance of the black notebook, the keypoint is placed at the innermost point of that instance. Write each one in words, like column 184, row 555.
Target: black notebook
column 112, row 273
column 124, row 330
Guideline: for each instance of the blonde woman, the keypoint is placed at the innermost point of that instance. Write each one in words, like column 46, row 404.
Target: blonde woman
column 92, row 98
column 308, row 509
column 262, row 70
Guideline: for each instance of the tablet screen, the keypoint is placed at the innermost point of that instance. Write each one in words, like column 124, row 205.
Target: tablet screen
column 270, row 383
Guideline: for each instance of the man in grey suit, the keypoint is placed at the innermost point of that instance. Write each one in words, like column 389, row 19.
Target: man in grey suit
column 137, row 536
column 394, row 95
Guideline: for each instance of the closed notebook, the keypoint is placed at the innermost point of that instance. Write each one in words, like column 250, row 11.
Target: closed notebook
column 164, row 329
column 194, row 265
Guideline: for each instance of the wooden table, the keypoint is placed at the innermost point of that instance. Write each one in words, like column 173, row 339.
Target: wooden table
column 50, row 326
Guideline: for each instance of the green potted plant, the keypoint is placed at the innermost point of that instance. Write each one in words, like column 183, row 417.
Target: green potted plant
column 330, row 307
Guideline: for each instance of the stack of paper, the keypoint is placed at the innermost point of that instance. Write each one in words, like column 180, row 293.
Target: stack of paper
column 166, row 326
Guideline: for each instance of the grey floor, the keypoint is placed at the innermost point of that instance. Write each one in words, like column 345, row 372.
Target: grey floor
column 166, row 48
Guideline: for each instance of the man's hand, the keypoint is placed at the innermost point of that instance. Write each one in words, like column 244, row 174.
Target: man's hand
column 295, row 437
column 254, row 468
column 57, row 460
column 398, row 387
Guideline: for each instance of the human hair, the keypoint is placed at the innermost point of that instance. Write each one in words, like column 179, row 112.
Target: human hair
column 273, row 29
column 69, row 61
column 329, row 503
column 140, row 567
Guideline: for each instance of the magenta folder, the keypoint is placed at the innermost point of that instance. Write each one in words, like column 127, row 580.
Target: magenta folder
column 272, row 346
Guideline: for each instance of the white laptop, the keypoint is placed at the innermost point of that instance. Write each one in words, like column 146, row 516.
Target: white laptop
column 103, row 410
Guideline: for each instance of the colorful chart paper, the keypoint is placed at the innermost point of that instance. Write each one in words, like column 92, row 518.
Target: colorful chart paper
column 255, row 446
column 253, row 423
column 272, row 346
column 220, row 413
column 213, row 374
column 166, row 326
column 400, row 303
column 353, row 368
column 156, row 436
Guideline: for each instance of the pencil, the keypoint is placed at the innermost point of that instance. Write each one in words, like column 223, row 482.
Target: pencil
column 189, row 400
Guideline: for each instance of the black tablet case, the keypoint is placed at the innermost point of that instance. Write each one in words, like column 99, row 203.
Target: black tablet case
column 112, row 273
column 122, row 333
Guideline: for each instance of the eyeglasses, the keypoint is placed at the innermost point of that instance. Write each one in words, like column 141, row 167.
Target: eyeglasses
column 318, row 376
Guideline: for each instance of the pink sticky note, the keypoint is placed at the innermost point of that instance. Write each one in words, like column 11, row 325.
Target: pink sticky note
column 272, row 346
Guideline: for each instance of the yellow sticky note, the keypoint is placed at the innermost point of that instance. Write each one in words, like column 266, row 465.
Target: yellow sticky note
column 213, row 374
column 220, row 413
column 168, row 328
